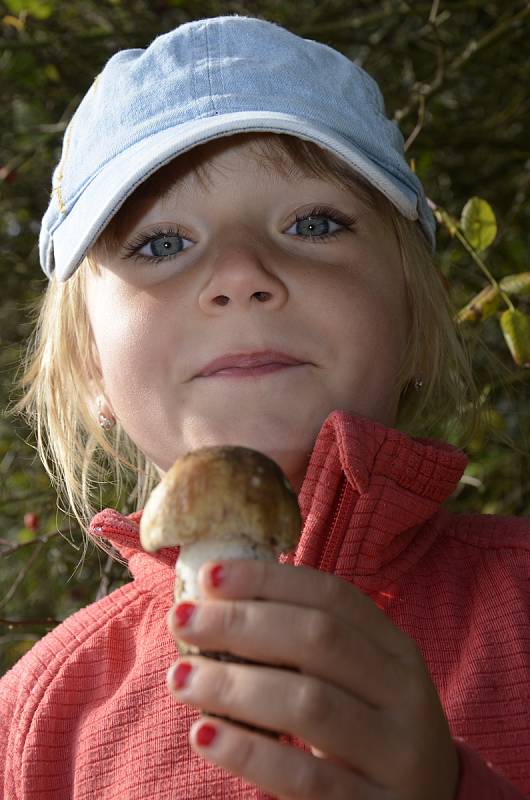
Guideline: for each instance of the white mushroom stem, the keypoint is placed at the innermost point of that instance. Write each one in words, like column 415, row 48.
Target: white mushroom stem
column 193, row 556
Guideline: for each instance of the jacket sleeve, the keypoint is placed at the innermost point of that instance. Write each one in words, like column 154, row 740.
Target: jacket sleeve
column 479, row 780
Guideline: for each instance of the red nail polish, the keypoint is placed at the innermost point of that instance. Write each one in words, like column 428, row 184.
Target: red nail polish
column 183, row 613
column 217, row 575
column 181, row 675
column 206, row 734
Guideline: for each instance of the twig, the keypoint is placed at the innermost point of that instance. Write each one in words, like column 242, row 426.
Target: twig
column 477, row 259
column 454, row 227
column 353, row 23
column 26, row 623
column 491, row 36
column 38, row 539
column 33, row 44
column 423, row 90
column 21, row 575
column 473, row 47
column 434, row 11
column 23, row 498
column 418, row 126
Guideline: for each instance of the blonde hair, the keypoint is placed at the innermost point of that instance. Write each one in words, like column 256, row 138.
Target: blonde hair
column 59, row 362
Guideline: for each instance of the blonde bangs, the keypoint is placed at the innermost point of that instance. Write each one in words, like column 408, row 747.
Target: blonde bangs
column 59, row 368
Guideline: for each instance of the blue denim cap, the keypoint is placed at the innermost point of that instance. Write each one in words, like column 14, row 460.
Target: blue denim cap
column 207, row 79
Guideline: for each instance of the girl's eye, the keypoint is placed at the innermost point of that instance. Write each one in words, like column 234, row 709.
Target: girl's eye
column 157, row 246
column 315, row 225
column 164, row 245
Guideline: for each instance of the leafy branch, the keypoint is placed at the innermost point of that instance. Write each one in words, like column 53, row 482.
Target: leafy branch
column 476, row 230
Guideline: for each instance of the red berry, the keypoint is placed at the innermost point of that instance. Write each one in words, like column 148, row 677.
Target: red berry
column 31, row 521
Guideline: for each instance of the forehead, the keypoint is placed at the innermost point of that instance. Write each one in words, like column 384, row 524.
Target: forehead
column 278, row 156
column 201, row 165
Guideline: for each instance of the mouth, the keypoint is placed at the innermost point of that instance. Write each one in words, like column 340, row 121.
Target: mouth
column 246, row 365
column 252, row 372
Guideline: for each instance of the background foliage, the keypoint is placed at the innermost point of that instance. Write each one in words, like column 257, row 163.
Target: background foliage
column 455, row 75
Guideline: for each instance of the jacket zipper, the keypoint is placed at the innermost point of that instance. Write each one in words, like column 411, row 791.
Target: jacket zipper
column 329, row 554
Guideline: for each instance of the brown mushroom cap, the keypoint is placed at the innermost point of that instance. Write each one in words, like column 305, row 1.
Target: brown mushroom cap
column 222, row 492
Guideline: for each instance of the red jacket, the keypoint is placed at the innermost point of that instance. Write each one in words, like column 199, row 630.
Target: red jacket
column 86, row 713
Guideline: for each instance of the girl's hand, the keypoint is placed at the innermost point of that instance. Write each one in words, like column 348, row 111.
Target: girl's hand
column 363, row 699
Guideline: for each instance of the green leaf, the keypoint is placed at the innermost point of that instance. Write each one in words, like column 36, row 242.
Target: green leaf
column 482, row 306
column 516, row 330
column 478, row 223
column 516, row 284
column 52, row 73
column 37, row 8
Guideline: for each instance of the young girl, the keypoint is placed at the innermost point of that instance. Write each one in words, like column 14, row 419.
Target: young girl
column 238, row 253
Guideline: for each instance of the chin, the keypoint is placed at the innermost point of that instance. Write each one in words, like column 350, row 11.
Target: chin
column 287, row 439
column 280, row 440
column 293, row 462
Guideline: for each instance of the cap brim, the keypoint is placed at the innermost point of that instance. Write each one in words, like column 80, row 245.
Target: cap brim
column 65, row 247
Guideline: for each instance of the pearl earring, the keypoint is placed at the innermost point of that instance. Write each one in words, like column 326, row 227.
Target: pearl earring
column 418, row 383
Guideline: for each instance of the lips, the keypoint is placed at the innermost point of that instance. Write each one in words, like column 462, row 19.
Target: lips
column 248, row 361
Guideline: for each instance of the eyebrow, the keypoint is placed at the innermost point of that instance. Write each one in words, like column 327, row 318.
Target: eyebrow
column 174, row 188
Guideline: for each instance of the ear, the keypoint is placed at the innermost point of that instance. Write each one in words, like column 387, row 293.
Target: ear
column 98, row 402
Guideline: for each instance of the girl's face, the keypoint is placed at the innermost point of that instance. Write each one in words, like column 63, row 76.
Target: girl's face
column 229, row 269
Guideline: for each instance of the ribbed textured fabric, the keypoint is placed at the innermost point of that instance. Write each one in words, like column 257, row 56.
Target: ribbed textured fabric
column 86, row 713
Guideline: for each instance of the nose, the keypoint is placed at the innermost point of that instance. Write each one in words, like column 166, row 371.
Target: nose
column 239, row 278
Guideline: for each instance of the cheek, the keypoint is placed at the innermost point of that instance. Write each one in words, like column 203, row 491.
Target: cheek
column 361, row 312
column 366, row 320
column 128, row 333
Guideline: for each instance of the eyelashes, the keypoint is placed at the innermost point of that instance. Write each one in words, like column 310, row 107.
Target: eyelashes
column 131, row 249
column 346, row 223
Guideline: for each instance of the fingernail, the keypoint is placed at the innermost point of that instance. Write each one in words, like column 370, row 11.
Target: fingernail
column 217, row 575
column 205, row 734
column 181, row 675
column 183, row 613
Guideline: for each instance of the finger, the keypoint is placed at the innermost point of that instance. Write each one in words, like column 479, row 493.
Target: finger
column 279, row 769
column 307, row 639
column 303, row 586
column 320, row 715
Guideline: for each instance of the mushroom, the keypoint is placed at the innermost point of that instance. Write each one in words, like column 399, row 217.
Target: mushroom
column 219, row 503
column 215, row 503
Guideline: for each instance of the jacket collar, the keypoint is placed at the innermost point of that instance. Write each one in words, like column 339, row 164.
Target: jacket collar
column 370, row 505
